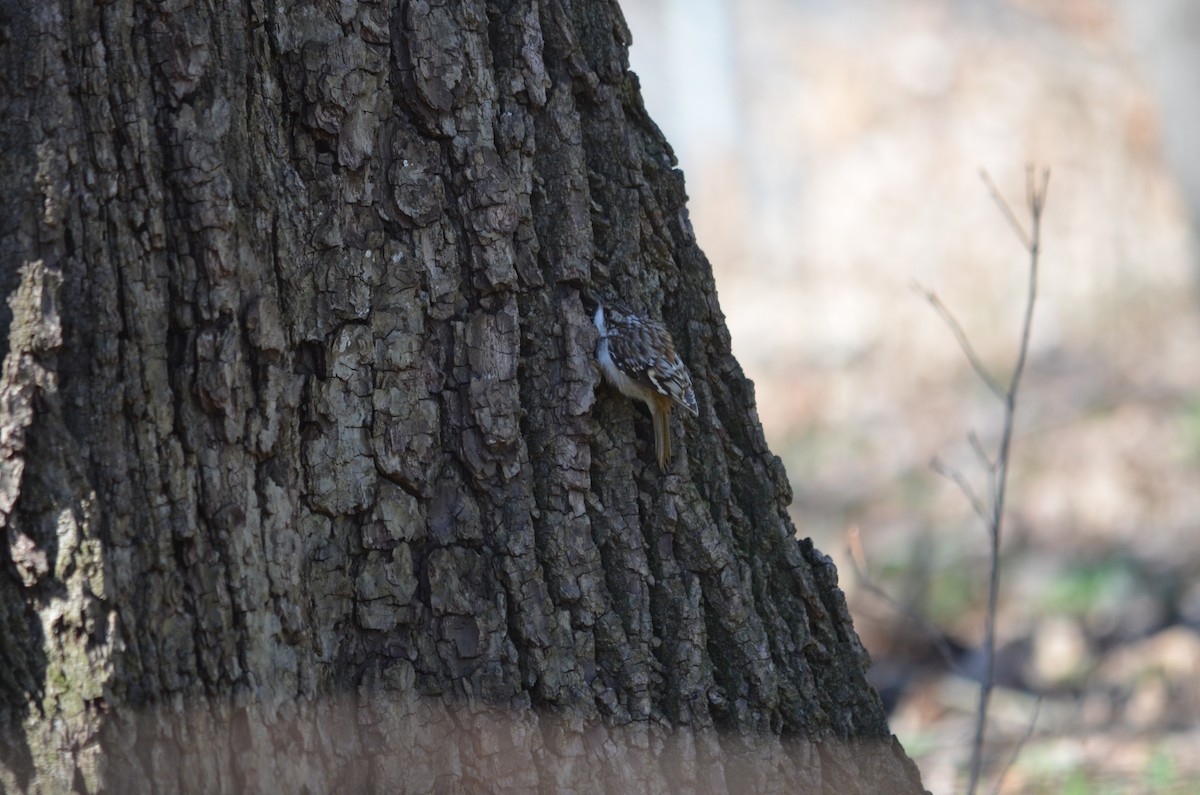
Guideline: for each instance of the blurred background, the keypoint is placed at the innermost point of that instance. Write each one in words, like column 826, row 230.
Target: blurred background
column 833, row 151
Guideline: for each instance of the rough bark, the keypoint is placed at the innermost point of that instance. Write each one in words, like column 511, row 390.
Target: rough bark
column 307, row 478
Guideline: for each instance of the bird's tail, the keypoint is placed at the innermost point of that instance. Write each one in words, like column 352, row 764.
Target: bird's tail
column 662, row 433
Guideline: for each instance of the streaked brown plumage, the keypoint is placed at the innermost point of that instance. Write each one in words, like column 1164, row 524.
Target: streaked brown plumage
column 638, row 357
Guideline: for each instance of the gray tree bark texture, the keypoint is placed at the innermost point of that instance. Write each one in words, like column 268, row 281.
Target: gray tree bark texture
column 308, row 480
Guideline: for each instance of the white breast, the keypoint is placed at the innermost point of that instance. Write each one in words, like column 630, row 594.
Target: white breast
column 627, row 385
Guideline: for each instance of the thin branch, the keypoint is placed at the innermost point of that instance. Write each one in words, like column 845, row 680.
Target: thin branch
column 963, row 342
column 1009, row 215
column 977, row 446
column 1036, row 200
column 990, row 467
column 1037, row 708
column 858, row 561
column 950, row 473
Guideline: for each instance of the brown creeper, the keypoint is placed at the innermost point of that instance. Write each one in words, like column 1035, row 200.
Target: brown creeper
column 638, row 357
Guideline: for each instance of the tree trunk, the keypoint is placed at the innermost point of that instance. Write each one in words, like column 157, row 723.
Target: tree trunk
column 308, row 480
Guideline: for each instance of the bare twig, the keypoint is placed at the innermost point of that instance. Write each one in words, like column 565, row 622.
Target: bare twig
column 948, row 472
column 858, row 560
column 1009, row 215
column 991, row 512
column 1016, row 751
column 1036, row 201
column 977, row 446
column 963, row 342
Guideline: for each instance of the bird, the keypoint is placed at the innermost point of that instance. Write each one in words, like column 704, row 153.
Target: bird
column 638, row 357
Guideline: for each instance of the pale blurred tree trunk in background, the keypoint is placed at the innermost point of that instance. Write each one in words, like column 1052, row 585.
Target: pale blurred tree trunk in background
column 1166, row 36
column 306, row 481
